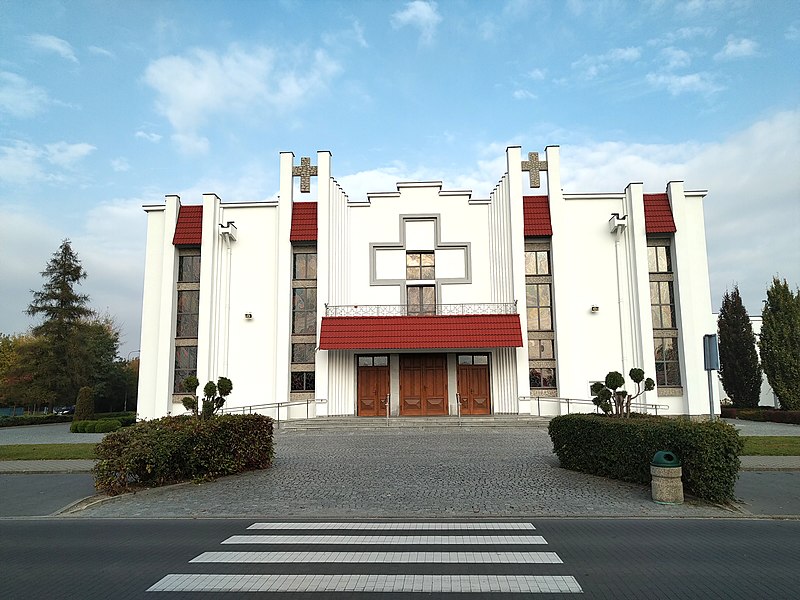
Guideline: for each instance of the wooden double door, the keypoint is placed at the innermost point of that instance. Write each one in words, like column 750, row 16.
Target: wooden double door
column 473, row 389
column 423, row 384
column 373, row 385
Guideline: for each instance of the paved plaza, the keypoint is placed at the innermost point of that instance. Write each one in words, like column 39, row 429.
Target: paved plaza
column 404, row 473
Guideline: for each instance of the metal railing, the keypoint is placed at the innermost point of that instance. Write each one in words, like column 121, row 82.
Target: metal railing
column 569, row 402
column 403, row 310
column 277, row 406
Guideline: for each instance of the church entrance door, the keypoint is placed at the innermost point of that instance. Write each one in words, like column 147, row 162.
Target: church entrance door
column 473, row 385
column 373, row 385
column 423, row 384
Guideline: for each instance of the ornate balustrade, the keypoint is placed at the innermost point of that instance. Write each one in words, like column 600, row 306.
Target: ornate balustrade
column 402, row 310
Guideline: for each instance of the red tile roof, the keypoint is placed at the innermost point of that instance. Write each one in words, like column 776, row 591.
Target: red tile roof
column 189, row 228
column 536, row 211
column 304, row 222
column 440, row 331
column 658, row 214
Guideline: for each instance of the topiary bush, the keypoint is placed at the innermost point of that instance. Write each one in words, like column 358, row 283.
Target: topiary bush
column 84, row 405
column 173, row 449
column 107, row 425
column 622, row 449
column 89, row 426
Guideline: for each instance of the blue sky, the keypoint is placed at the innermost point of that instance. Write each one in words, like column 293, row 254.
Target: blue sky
column 105, row 106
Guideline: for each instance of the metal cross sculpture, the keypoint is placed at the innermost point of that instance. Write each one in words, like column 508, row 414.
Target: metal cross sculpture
column 534, row 165
column 305, row 172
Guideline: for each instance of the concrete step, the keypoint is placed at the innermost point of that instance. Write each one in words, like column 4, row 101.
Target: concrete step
column 413, row 422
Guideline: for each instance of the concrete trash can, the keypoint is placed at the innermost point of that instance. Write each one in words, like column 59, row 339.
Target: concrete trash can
column 666, row 485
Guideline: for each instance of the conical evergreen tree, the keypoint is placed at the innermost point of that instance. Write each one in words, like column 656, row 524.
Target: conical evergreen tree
column 739, row 368
column 63, row 310
column 780, row 343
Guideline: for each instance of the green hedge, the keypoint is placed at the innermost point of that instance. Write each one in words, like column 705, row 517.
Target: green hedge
column 34, row 420
column 622, row 449
column 762, row 414
column 173, row 449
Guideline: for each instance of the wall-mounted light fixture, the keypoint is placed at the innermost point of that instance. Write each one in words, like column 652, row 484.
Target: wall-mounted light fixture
column 248, row 315
column 228, row 231
column 617, row 223
column 595, row 308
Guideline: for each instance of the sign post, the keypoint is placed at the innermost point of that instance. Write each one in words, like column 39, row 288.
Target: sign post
column 711, row 360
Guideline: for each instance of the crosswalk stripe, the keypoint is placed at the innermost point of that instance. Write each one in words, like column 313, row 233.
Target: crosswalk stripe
column 482, row 584
column 380, row 557
column 396, row 526
column 386, row 539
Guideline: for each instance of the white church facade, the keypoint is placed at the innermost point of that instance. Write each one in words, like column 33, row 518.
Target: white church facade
column 425, row 301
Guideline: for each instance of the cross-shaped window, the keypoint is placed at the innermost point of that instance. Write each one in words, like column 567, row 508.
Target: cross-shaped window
column 420, row 265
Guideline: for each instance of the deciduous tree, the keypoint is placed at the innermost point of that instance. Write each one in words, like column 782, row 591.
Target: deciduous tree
column 740, row 370
column 779, row 343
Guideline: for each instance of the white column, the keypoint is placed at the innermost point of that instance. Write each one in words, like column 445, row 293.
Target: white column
column 210, row 284
column 283, row 284
column 169, row 276
column 325, row 266
column 517, row 233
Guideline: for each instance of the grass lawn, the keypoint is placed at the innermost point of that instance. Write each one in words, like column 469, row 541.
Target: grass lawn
column 762, row 445
column 46, row 451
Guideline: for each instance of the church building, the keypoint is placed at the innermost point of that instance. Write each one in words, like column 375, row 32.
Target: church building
column 425, row 301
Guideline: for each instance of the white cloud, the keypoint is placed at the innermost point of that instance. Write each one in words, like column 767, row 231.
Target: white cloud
column 190, row 143
column 537, row 74
column 19, row 97
column 351, row 35
column 675, row 58
column 66, row 155
column 421, row 15
column 793, row 32
column 592, row 66
column 150, row 137
column 51, row 43
column 752, row 213
column 702, row 83
column 120, row 165
column 737, row 48
column 260, row 81
column 523, row 95
column 101, row 51
column 22, row 162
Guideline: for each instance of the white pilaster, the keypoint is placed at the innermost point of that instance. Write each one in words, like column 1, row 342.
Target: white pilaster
column 283, row 288
column 326, row 269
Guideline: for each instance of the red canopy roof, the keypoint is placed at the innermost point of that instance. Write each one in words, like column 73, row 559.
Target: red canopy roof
column 189, row 228
column 536, row 212
column 304, row 222
column 439, row 331
column 658, row 214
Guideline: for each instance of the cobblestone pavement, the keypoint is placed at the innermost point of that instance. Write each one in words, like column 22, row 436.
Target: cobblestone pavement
column 423, row 473
column 54, row 433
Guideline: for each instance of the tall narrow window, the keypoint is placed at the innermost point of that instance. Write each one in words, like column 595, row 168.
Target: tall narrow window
column 539, row 307
column 304, row 321
column 187, row 313
column 662, row 308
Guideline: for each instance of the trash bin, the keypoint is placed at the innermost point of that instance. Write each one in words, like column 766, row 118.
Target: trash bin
column 666, row 485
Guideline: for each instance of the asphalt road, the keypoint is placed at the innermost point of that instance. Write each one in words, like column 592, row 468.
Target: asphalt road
column 42, row 494
column 615, row 558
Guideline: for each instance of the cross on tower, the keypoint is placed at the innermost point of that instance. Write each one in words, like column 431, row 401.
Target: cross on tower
column 305, row 171
column 534, row 165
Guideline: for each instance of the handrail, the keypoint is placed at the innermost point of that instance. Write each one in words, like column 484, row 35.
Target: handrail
column 569, row 401
column 276, row 405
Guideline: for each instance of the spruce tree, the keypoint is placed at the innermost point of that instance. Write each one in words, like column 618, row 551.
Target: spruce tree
column 63, row 310
column 780, row 343
column 739, row 368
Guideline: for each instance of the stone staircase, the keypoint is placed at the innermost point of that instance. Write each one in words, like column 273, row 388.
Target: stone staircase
column 349, row 422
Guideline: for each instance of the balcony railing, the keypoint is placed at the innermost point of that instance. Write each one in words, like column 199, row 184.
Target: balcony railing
column 402, row 310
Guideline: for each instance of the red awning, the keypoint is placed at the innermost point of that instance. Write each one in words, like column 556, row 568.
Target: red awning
column 189, row 228
column 440, row 331
column 658, row 214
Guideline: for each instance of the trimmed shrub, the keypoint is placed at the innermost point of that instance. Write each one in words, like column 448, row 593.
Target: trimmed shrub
column 84, row 405
column 763, row 414
column 622, row 449
column 89, row 426
column 34, row 420
column 173, row 449
column 107, row 425
column 76, row 426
